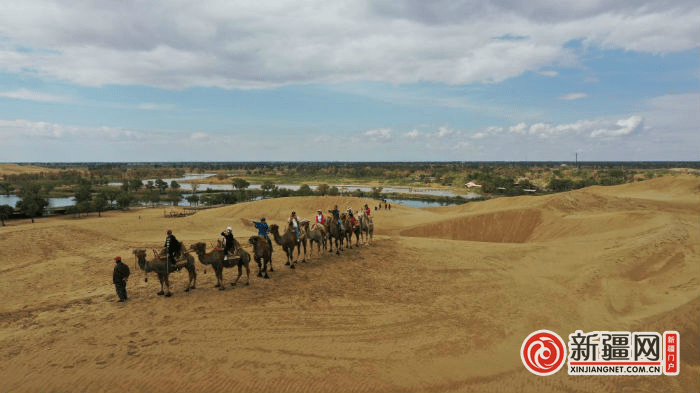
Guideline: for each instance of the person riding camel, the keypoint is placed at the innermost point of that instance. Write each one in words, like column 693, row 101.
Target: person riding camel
column 228, row 242
column 262, row 230
column 352, row 217
column 336, row 215
column 367, row 212
column 172, row 247
column 295, row 223
column 320, row 218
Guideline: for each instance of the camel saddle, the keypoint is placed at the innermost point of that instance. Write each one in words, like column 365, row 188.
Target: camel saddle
column 231, row 257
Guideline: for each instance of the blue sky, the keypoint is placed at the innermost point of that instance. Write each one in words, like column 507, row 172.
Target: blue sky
column 349, row 80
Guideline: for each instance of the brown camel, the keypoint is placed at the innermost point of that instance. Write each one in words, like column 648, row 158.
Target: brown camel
column 366, row 228
column 288, row 241
column 349, row 230
column 317, row 233
column 215, row 258
column 160, row 266
column 335, row 231
column 262, row 253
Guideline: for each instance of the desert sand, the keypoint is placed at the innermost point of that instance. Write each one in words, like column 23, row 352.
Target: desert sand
column 441, row 302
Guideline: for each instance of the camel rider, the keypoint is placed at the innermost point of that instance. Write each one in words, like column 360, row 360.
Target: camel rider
column 295, row 223
column 336, row 215
column 262, row 230
column 172, row 247
column 367, row 212
column 352, row 217
column 119, row 278
column 320, row 218
column 228, row 242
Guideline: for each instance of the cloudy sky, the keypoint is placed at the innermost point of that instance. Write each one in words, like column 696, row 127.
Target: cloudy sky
column 318, row 80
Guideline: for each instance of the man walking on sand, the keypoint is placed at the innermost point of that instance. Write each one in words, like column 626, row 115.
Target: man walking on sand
column 119, row 278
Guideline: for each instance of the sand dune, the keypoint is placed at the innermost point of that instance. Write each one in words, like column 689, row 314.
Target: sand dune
column 441, row 302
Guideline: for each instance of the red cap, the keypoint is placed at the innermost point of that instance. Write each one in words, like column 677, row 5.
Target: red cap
column 169, row 231
column 117, row 258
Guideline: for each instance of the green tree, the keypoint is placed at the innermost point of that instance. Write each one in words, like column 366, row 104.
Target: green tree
column 333, row 191
column 111, row 195
column 31, row 202
column 150, row 185
column 83, row 207
column 135, row 184
column 100, row 203
column 84, row 192
column 5, row 213
column 174, row 185
column 161, row 185
column 322, row 189
column 305, row 190
column 193, row 199
column 125, row 199
column 174, row 197
column 560, row 185
column 48, row 187
column 376, row 192
column 268, row 187
column 240, row 183
column 151, row 196
column 7, row 187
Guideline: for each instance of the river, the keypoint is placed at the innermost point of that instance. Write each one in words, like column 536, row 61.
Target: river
column 295, row 187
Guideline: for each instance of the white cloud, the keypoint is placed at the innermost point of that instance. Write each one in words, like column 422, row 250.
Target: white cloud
column 488, row 131
column 549, row 73
column 519, row 128
column 413, row 134
column 199, row 136
column 260, row 44
column 591, row 79
column 573, row 96
column 444, row 132
column 24, row 94
column 378, row 135
column 538, row 128
column 622, row 127
column 40, row 130
column 593, row 128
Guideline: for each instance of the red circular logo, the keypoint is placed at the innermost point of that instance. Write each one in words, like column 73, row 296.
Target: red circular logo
column 543, row 352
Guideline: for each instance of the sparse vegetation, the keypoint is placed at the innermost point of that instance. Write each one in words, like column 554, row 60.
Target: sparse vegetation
column 89, row 183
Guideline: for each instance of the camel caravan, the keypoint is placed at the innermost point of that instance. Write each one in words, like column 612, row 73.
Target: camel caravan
column 227, row 252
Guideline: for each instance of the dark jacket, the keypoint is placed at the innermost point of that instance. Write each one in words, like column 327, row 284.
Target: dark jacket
column 172, row 245
column 121, row 272
column 336, row 213
column 262, row 228
column 228, row 241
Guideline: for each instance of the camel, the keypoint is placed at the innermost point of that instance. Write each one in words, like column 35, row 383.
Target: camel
column 317, row 234
column 160, row 266
column 366, row 228
column 288, row 241
column 349, row 229
column 335, row 232
column 262, row 253
column 215, row 258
